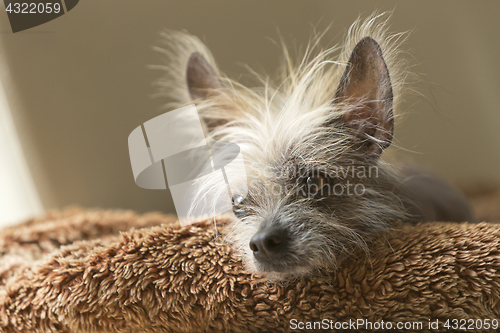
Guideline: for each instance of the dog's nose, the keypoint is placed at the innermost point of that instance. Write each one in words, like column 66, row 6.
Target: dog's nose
column 269, row 244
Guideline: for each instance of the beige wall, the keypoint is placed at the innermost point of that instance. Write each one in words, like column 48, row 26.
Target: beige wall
column 80, row 84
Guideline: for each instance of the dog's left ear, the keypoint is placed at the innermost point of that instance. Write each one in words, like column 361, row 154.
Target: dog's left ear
column 366, row 87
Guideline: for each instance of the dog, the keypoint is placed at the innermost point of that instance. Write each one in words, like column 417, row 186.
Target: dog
column 313, row 142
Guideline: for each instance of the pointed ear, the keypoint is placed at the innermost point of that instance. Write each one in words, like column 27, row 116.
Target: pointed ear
column 366, row 87
column 202, row 81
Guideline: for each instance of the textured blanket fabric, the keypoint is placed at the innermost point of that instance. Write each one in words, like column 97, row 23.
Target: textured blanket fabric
column 116, row 271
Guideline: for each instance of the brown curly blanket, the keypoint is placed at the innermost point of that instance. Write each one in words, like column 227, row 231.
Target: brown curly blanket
column 116, row 271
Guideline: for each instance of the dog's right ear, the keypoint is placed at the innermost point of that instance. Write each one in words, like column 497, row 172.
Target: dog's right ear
column 202, row 81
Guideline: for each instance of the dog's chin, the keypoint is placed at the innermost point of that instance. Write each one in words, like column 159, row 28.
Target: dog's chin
column 274, row 271
column 279, row 272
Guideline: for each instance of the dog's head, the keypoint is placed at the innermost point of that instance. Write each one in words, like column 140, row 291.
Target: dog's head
column 317, row 187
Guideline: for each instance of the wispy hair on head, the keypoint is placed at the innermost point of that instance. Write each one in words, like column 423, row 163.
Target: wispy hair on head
column 332, row 108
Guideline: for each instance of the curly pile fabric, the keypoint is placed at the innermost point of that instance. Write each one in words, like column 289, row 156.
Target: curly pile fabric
column 81, row 270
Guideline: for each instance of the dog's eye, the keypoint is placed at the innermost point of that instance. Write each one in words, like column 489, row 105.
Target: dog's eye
column 239, row 204
column 318, row 181
column 238, row 199
column 314, row 184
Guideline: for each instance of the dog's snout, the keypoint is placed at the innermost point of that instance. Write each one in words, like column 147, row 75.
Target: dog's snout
column 269, row 244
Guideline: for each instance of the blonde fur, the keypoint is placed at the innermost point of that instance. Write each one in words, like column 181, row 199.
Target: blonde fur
column 283, row 123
